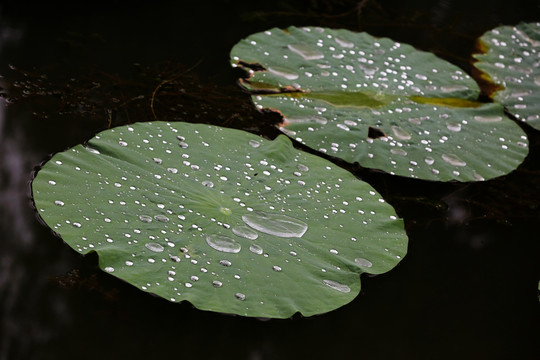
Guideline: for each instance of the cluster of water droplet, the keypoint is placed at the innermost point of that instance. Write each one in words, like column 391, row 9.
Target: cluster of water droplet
column 513, row 61
column 420, row 136
column 197, row 219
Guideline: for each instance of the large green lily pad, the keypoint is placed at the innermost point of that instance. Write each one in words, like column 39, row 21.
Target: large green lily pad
column 510, row 61
column 380, row 103
column 222, row 218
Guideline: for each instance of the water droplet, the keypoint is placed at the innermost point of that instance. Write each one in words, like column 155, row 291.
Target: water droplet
column 398, row 151
column 240, row 296
column 225, row 262
column 478, row 176
column 306, row 51
column 276, row 268
column 455, row 127
column 451, row 88
column 282, row 72
column 225, row 210
column 369, row 69
column 337, row 286
column 161, row 218
column 245, row 232
column 256, row 249
column 208, row 183
column 145, row 218
column 217, row 283
column 174, row 258
column 58, row 203
column 344, row 43
column 155, row 247
column 275, row 224
column 77, row 225
column 158, row 161
column 488, row 119
column 363, row 262
column 429, row 160
column 109, row 269
column 129, row 263
column 183, row 144
column 302, row 167
column 306, row 120
column 254, row 143
column 453, row 160
column 400, row 133
column 223, row 243
column 52, row 182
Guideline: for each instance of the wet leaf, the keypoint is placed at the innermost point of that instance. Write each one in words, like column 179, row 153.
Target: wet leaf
column 510, row 63
column 222, row 218
column 380, row 103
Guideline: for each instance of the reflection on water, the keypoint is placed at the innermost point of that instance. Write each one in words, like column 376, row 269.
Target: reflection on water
column 467, row 285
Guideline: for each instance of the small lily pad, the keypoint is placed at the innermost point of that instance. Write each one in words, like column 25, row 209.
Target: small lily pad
column 510, row 62
column 222, row 218
column 380, row 103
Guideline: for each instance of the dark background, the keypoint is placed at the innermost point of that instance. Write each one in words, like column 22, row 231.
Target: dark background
column 467, row 289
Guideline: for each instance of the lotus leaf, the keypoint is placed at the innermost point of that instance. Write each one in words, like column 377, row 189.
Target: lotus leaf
column 380, row 103
column 222, row 218
column 510, row 61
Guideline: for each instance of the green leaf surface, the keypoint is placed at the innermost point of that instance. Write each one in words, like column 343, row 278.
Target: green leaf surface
column 510, row 59
column 222, row 218
column 380, row 103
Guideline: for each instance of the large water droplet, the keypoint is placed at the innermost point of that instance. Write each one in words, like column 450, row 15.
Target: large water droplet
column 337, row 286
column 344, row 43
column 161, row 218
column 305, row 51
column 450, row 88
column 306, row 120
column 455, row 127
column 245, row 232
column 217, row 283
column 155, row 247
column 145, row 218
column 58, row 203
column 284, row 73
column 223, row 243
column 400, row 133
column 363, row 262
column 487, row 119
column 398, row 151
column 275, row 224
column 256, row 249
column 453, row 160
column 254, row 143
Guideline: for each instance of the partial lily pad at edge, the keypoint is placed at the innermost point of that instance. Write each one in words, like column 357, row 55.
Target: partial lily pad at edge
column 380, row 103
column 510, row 62
column 222, row 218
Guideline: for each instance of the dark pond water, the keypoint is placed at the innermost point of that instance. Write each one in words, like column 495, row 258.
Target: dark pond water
column 467, row 289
